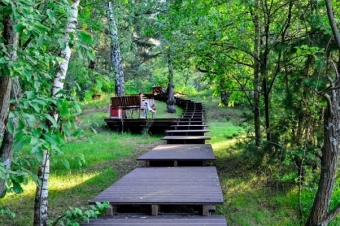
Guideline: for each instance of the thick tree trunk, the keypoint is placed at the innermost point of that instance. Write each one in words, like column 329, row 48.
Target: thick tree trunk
column 116, row 58
column 41, row 196
column 330, row 153
column 329, row 163
column 171, row 88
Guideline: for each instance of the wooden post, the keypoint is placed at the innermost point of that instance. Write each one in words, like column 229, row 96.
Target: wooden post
column 205, row 210
column 154, row 210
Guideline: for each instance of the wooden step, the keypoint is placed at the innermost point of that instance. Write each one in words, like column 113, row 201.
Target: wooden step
column 188, row 126
column 179, row 155
column 140, row 220
column 186, row 139
column 192, row 132
column 157, row 186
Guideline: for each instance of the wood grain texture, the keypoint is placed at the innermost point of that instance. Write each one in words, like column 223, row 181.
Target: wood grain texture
column 190, row 152
column 159, row 221
column 160, row 185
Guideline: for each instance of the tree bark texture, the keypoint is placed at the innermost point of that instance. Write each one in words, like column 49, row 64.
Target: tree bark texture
column 116, row 58
column 256, row 83
column 330, row 153
column 8, row 87
column 41, row 196
column 171, row 88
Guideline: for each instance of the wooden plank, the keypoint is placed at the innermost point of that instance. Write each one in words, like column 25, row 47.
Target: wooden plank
column 165, row 186
column 188, row 152
column 140, row 220
column 188, row 126
column 186, row 138
column 193, row 132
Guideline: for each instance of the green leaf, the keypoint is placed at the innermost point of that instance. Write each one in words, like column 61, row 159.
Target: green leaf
column 85, row 37
column 66, row 163
column 18, row 144
column 51, row 15
column 52, row 120
column 19, row 28
column 17, row 187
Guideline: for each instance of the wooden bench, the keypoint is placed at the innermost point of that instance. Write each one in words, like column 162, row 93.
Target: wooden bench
column 186, row 139
column 131, row 103
column 168, row 220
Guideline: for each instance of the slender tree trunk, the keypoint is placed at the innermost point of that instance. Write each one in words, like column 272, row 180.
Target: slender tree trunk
column 116, row 58
column 257, row 87
column 6, row 91
column 171, row 99
column 6, row 152
column 41, row 196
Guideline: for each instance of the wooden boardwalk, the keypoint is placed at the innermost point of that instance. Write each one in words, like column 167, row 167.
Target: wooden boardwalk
column 138, row 220
column 184, row 195
column 179, row 155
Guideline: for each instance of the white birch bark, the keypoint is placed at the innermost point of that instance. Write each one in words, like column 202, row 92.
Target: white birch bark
column 116, row 58
column 41, row 197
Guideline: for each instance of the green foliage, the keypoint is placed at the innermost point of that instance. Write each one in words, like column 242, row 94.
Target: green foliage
column 75, row 216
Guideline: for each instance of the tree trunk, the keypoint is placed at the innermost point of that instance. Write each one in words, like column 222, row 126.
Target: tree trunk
column 257, row 87
column 8, row 87
column 329, row 162
column 330, row 153
column 116, row 58
column 41, row 196
column 6, row 152
column 171, row 99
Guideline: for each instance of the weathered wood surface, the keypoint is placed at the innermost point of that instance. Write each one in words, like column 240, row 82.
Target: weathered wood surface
column 159, row 221
column 188, row 126
column 186, row 139
column 189, row 152
column 187, row 131
column 160, row 185
column 188, row 122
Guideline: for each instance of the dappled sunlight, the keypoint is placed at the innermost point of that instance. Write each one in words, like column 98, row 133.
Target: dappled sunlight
column 57, row 183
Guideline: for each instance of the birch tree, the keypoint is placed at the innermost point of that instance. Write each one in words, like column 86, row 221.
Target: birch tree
column 116, row 58
column 41, row 197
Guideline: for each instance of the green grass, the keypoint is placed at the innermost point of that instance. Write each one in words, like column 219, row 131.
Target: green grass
column 251, row 196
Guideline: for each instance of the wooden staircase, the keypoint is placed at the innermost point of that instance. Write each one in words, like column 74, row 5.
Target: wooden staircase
column 178, row 186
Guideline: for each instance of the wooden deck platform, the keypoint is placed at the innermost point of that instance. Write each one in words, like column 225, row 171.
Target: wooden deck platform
column 140, row 220
column 179, row 155
column 156, row 186
column 154, row 126
column 186, row 139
